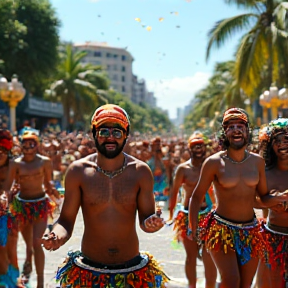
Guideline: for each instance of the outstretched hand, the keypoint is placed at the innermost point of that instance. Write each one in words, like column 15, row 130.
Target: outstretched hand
column 51, row 241
column 153, row 223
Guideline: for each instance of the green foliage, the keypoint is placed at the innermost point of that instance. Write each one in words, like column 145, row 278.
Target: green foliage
column 29, row 41
column 75, row 84
column 221, row 92
column 261, row 54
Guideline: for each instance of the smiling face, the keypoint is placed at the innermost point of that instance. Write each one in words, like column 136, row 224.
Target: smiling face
column 236, row 132
column 29, row 148
column 280, row 146
column 110, row 140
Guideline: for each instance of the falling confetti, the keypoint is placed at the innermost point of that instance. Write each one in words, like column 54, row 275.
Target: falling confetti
column 177, row 26
column 138, row 20
column 161, row 19
column 148, row 28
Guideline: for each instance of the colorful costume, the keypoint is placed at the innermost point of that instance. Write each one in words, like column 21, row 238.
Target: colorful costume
column 23, row 210
column 181, row 219
column 160, row 180
column 9, row 280
column 276, row 238
column 3, row 229
column 243, row 238
column 143, row 271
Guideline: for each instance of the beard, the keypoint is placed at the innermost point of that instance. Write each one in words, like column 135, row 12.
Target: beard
column 109, row 154
column 240, row 145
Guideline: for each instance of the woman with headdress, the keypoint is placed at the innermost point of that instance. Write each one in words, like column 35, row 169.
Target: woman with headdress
column 8, row 273
column 274, row 148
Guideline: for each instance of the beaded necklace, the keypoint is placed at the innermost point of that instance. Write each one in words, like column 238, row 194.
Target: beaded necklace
column 112, row 174
column 247, row 155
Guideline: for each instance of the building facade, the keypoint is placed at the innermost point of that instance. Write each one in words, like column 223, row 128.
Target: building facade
column 116, row 61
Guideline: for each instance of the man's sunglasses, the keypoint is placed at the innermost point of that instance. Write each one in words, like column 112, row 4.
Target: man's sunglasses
column 27, row 147
column 107, row 132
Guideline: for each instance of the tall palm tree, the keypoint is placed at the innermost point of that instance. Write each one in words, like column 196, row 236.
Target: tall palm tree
column 79, row 87
column 221, row 92
column 261, row 53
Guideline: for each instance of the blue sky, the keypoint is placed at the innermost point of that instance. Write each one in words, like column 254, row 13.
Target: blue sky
column 171, row 56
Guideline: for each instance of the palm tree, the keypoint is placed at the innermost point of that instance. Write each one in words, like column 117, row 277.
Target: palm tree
column 80, row 87
column 221, row 92
column 261, row 53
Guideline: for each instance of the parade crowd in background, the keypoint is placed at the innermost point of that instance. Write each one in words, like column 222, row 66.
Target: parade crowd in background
column 211, row 184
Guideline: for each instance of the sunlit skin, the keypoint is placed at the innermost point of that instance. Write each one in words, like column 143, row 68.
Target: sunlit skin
column 187, row 177
column 277, row 182
column 236, row 185
column 108, row 205
column 31, row 171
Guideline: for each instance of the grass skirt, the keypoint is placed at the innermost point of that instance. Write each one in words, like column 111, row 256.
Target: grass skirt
column 220, row 235
column 72, row 274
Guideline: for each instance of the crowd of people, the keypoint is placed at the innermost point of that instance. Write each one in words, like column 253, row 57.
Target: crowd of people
column 211, row 184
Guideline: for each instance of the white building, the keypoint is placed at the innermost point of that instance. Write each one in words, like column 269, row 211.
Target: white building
column 117, row 62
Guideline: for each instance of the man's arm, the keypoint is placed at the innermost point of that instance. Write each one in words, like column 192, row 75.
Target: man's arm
column 204, row 182
column 177, row 182
column 63, row 228
column 149, row 221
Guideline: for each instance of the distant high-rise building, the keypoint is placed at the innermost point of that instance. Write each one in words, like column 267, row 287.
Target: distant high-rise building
column 116, row 61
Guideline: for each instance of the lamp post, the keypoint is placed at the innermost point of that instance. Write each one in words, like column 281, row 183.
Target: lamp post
column 273, row 99
column 12, row 93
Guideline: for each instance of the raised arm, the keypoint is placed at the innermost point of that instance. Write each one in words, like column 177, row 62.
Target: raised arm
column 206, row 177
column 63, row 228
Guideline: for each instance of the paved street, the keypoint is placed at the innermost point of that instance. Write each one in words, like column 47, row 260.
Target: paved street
column 170, row 255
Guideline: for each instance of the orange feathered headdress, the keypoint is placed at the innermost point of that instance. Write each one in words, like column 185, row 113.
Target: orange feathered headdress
column 110, row 113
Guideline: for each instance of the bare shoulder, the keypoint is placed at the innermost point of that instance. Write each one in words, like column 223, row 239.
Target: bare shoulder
column 257, row 158
column 214, row 159
column 138, row 165
column 81, row 163
column 43, row 158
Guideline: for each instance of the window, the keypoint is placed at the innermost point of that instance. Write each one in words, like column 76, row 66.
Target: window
column 97, row 54
column 108, row 55
column 115, row 56
column 123, row 89
column 123, row 78
column 115, row 68
column 115, row 77
column 108, row 67
column 123, row 69
column 123, row 57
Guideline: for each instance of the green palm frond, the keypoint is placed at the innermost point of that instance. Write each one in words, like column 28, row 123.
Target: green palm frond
column 225, row 29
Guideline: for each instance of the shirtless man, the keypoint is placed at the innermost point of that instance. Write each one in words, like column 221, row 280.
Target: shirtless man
column 30, row 208
column 274, row 274
column 232, row 232
column 187, row 175
column 110, row 187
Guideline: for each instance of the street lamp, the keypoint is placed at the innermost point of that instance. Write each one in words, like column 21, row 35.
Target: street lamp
column 12, row 93
column 273, row 98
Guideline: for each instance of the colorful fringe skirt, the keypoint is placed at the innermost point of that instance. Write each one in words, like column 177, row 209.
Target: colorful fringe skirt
column 220, row 234
column 277, row 246
column 78, row 271
column 23, row 211
column 181, row 222
column 9, row 280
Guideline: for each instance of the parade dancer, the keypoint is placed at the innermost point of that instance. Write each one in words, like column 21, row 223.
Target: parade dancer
column 186, row 176
column 30, row 207
column 110, row 187
column 232, row 232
